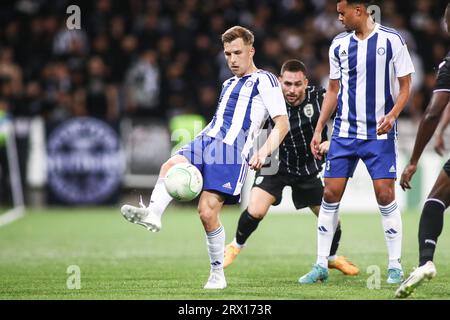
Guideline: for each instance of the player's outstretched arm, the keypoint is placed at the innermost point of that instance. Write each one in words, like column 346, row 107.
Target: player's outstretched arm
column 439, row 144
column 427, row 126
column 328, row 106
column 274, row 139
column 387, row 122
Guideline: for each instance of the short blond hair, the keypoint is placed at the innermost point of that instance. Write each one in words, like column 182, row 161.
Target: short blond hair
column 237, row 32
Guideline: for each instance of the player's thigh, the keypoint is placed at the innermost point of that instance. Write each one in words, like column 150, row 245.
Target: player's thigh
column 193, row 152
column 271, row 188
column 224, row 170
column 260, row 202
column 341, row 159
column 175, row 159
column 210, row 201
column 307, row 192
column 441, row 188
column 380, row 158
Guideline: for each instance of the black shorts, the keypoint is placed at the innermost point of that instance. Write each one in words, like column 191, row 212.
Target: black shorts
column 447, row 167
column 306, row 191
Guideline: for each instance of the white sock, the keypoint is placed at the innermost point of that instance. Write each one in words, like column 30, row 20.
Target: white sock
column 160, row 198
column 392, row 226
column 237, row 245
column 326, row 226
column 215, row 240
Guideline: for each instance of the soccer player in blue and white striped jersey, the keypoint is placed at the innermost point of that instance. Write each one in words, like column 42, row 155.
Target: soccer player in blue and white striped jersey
column 370, row 76
column 222, row 150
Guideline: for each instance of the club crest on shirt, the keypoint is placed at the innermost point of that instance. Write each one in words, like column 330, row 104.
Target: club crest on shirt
column 308, row 110
column 249, row 83
column 381, row 51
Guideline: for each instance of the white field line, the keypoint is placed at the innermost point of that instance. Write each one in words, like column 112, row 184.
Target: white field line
column 11, row 215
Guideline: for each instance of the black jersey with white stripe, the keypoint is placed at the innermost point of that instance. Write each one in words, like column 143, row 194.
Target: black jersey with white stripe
column 294, row 153
column 443, row 75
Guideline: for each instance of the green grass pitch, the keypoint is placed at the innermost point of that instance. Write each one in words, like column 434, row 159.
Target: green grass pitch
column 119, row 260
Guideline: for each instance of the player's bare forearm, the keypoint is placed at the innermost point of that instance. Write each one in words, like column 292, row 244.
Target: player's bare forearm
column 439, row 143
column 429, row 122
column 445, row 120
column 276, row 136
column 328, row 105
column 403, row 96
column 386, row 123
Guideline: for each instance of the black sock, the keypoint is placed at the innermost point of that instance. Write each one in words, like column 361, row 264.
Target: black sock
column 336, row 239
column 247, row 224
column 430, row 227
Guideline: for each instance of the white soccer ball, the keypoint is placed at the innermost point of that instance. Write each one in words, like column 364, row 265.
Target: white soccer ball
column 184, row 182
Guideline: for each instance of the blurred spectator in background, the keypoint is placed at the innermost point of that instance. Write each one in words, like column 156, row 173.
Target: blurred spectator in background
column 11, row 71
column 325, row 23
column 99, row 98
column 143, row 87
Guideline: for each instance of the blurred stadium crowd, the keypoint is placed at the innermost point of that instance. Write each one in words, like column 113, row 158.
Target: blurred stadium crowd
column 154, row 58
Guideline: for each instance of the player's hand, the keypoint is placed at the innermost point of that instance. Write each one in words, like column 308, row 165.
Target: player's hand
column 407, row 176
column 257, row 161
column 324, row 147
column 439, row 145
column 315, row 145
column 385, row 124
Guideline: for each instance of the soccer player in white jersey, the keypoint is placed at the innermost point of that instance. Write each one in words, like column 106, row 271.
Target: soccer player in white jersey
column 221, row 151
column 370, row 76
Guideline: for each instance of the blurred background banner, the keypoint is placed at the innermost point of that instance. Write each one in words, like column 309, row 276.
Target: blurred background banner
column 85, row 162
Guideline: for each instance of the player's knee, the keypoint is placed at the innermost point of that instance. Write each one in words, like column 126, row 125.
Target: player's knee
column 207, row 215
column 167, row 165
column 204, row 211
column 331, row 195
column 171, row 162
column 256, row 210
column 385, row 197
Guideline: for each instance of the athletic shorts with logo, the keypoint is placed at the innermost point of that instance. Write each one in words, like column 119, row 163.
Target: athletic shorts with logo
column 223, row 168
column 379, row 156
column 306, row 191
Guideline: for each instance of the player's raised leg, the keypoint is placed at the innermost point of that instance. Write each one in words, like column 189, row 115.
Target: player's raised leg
column 209, row 207
column 326, row 226
column 150, row 217
column 259, row 204
column 334, row 261
column 392, row 226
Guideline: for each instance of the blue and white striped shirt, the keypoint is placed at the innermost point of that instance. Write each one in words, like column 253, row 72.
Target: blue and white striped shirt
column 368, row 70
column 244, row 105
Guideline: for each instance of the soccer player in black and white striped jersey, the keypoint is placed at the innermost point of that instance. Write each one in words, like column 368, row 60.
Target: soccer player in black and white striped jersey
column 297, row 166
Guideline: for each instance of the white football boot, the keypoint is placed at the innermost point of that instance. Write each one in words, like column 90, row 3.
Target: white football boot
column 427, row 271
column 216, row 280
column 142, row 215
